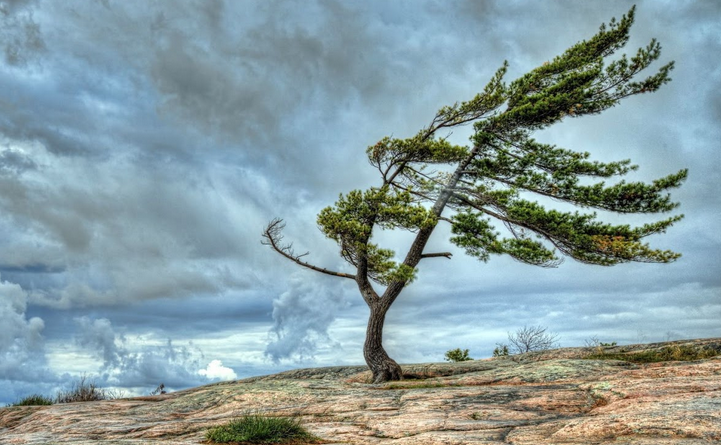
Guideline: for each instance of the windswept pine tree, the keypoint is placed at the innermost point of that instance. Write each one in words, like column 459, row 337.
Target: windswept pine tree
column 478, row 189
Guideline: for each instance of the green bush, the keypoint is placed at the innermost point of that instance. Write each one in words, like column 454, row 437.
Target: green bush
column 594, row 342
column 34, row 400
column 457, row 355
column 261, row 430
column 501, row 351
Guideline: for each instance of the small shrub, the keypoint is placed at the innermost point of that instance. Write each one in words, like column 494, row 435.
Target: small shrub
column 598, row 345
column 501, row 351
column 531, row 339
column 83, row 391
column 261, row 430
column 34, row 400
column 457, row 355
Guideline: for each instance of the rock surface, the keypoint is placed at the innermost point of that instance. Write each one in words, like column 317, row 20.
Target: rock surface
column 553, row 398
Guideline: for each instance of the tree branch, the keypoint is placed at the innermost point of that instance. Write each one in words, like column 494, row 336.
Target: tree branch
column 436, row 255
column 273, row 237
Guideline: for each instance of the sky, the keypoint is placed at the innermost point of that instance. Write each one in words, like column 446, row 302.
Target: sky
column 144, row 146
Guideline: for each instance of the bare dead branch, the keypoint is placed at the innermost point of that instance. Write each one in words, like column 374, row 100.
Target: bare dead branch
column 273, row 235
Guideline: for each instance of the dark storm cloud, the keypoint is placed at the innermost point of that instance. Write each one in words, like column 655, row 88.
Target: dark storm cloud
column 232, row 75
column 98, row 336
column 271, row 85
column 12, row 161
column 120, row 225
column 20, row 33
column 200, row 315
column 10, row 6
column 302, row 316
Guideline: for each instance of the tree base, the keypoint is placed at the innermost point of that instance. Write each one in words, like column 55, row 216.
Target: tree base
column 386, row 371
column 384, row 368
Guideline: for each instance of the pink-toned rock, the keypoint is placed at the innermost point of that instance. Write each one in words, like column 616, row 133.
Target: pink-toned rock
column 553, row 398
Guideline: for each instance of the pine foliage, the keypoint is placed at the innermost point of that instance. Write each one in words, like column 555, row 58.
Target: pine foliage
column 488, row 184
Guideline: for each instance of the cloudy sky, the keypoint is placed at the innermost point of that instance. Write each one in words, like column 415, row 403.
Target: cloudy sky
column 144, row 145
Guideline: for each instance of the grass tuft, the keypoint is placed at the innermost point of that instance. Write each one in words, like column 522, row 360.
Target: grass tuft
column 34, row 400
column 256, row 429
column 82, row 391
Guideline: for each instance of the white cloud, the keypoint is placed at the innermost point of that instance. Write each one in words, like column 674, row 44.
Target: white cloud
column 216, row 371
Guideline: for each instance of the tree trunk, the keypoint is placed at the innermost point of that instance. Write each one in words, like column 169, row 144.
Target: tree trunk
column 382, row 366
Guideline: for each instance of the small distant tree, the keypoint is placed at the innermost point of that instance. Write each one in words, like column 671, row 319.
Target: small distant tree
column 457, row 355
column 493, row 179
column 530, row 339
column 594, row 342
column 501, row 351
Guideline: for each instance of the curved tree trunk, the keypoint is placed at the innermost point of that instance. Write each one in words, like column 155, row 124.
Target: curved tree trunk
column 382, row 366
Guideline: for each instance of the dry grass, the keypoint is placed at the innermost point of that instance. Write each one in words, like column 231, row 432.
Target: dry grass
column 679, row 353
